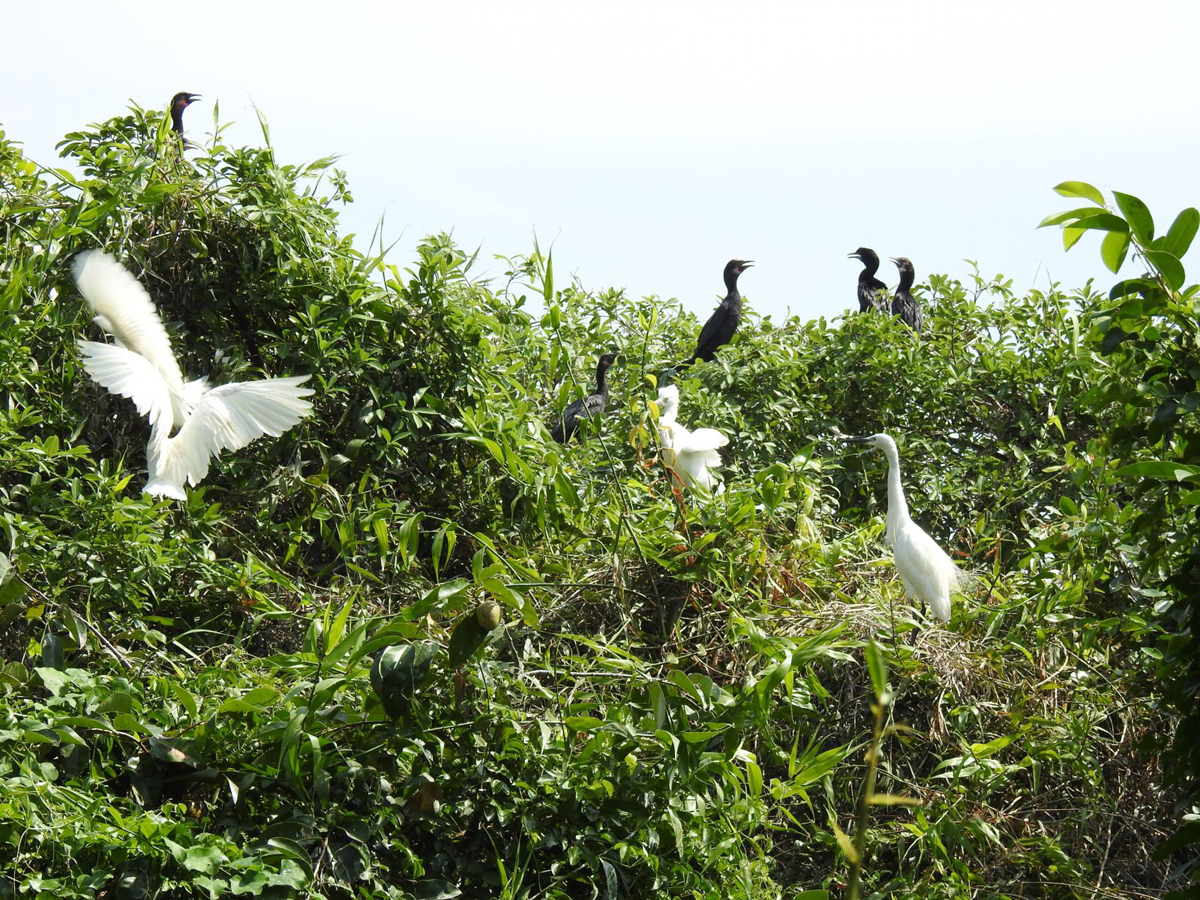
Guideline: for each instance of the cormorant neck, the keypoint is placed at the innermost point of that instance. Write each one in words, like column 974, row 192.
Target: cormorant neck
column 177, row 119
column 906, row 281
column 731, row 282
column 870, row 267
column 897, row 511
column 602, row 379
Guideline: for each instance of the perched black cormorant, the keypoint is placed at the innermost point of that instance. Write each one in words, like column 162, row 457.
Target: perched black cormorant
column 179, row 103
column 566, row 425
column 904, row 304
column 719, row 329
column 872, row 293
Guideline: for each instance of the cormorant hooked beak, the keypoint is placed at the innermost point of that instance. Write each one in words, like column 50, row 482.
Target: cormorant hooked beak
column 894, row 259
column 854, row 255
column 746, row 264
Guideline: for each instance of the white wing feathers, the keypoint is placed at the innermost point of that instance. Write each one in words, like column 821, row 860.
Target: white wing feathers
column 929, row 572
column 706, row 439
column 131, row 375
column 124, row 309
column 691, row 453
column 144, row 369
column 226, row 418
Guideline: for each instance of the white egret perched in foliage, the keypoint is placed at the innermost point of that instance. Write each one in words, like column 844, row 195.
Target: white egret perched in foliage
column 692, row 454
column 142, row 367
column 929, row 575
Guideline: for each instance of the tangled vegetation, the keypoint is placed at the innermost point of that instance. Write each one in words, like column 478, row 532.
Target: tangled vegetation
column 291, row 686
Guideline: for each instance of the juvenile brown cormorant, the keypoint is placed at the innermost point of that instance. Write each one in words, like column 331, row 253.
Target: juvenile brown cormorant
column 904, row 304
column 872, row 293
column 568, row 423
column 719, row 329
column 179, row 103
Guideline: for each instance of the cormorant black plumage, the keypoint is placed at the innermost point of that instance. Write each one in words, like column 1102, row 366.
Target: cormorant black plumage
column 568, row 423
column 179, row 103
column 904, row 304
column 719, row 329
column 872, row 293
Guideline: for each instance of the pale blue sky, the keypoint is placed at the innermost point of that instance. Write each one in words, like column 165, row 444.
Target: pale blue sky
column 652, row 141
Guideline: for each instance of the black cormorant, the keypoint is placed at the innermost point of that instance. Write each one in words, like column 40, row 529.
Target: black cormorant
column 719, row 329
column 179, row 103
column 566, row 425
column 872, row 293
column 904, row 304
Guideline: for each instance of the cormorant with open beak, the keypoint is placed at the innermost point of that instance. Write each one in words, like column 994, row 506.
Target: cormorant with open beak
column 719, row 329
column 872, row 293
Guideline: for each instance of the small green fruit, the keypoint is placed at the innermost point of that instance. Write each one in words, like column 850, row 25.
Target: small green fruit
column 487, row 614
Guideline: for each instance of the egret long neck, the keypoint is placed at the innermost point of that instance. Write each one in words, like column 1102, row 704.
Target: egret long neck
column 897, row 511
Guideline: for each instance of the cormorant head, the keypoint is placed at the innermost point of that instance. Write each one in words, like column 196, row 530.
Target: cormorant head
column 866, row 255
column 734, row 268
column 905, row 267
column 182, row 100
column 607, row 360
column 179, row 103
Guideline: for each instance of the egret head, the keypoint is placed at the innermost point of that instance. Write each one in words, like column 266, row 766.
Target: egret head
column 879, row 441
column 668, row 402
column 866, row 255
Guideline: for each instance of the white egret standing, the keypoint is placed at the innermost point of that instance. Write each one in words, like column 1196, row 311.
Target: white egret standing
column 691, row 454
column 142, row 367
column 929, row 575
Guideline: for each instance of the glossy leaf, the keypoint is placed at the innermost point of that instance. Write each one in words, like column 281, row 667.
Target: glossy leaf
column 1137, row 215
column 1113, row 249
column 1102, row 222
column 1080, row 189
column 1168, row 266
column 1179, row 237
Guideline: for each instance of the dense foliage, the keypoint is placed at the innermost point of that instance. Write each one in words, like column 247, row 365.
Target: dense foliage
column 289, row 685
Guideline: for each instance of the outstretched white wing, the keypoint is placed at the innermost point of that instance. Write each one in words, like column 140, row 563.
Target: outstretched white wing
column 227, row 418
column 125, row 310
column 131, row 375
column 705, row 439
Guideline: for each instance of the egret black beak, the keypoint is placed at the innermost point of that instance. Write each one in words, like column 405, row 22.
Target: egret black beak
column 854, row 439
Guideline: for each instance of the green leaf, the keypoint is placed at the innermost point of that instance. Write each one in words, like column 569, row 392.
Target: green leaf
column 893, row 800
column 467, row 637
column 1080, row 189
column 397, row 673
column 205, row 860
column 845, row 843
column 1113, row 249
column 1168, row 266
column 877, row 666
column 1156, row 468
column 582, row 723
column 1071, row 236
column 1137, row 215
column 435, row 599
column 1070, row 215
column 1180, row 234
column 1104, row 221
